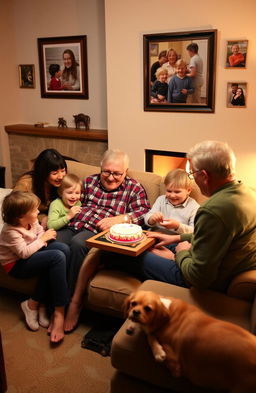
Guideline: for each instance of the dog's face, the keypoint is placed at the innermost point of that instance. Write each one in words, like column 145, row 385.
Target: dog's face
column 147, row 309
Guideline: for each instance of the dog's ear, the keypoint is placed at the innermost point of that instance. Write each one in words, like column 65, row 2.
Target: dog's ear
column 126, row 304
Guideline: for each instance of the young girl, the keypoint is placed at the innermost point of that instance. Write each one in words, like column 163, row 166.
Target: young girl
column 176, row 210
column 68, row 205
column 25, row 252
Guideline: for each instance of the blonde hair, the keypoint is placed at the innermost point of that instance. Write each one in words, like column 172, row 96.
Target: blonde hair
column 160, row 71
column 180, row 62
column 214, row 157
column 115, row 155
column 17, row 204
column 69, row 180
column 178, row 178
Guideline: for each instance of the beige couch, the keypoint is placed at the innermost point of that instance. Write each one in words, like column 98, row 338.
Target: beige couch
column 136, row 369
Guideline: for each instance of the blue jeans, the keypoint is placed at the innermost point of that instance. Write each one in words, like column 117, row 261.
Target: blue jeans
column 157, row 268
column 49, row 264
column 76, row 240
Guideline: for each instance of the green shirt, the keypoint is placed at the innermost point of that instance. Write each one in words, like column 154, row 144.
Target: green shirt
column 57, row 214
column 224, row 239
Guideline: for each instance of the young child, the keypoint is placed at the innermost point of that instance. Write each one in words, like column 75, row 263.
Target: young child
column 62, row 209
column 25, row 252
column 55, row 82
column 180, row 84
column 160, row 87
column 175, row 211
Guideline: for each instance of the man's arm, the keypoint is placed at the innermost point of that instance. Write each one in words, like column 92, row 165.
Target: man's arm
column 211, row 241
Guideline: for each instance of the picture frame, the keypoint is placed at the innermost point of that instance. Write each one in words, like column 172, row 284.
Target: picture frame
column 26, row 76
column 237, row 94
column 202, row 99
column 236, row 56
column 69, row 55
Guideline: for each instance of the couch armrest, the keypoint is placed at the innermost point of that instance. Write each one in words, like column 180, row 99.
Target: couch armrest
column 243, row 286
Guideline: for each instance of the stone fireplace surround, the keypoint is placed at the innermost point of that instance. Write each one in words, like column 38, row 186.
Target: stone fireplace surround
column 27, row 141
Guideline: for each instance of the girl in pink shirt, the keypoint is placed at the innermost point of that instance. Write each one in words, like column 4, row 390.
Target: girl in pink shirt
column 26, row 250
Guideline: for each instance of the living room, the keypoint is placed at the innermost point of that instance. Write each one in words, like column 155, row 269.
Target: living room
column 114, row 31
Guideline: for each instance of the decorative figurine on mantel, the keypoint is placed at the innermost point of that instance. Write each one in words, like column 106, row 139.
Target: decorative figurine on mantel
column 62, row 122
column 81, row 118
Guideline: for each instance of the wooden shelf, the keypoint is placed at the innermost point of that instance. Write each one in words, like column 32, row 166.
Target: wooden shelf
column 57, row 132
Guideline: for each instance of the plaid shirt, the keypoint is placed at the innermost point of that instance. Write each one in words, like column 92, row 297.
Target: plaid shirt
column 97, row 203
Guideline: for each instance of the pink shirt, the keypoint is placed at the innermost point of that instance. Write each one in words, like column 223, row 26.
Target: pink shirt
column 19, row 243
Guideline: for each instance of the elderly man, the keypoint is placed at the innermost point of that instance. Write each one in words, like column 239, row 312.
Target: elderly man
column 106, row 199
column 224, row 240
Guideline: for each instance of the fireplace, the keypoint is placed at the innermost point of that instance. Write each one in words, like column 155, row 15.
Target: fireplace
column 161, row 162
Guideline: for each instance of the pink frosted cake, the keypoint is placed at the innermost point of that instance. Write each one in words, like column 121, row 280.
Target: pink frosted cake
column 125, row 233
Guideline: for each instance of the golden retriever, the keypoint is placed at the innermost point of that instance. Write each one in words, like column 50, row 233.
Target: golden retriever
column 209, row 352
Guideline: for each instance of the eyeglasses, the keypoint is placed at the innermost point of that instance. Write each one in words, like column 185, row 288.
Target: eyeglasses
column 191, row 174
column 116, row 175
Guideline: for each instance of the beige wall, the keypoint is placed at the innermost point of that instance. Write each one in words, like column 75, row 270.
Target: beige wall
column 21, row 23
column 132, row 129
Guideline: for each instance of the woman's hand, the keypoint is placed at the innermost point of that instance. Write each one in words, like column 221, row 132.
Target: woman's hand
column 163, row 252
column 163, row 239
column 50, row 234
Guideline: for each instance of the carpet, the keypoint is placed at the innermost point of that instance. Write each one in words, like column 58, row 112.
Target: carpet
column 34, row 366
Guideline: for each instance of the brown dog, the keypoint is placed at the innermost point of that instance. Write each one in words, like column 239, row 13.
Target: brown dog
column 209, row 352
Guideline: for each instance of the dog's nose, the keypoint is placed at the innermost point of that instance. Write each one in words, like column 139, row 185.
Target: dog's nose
column 136, row 313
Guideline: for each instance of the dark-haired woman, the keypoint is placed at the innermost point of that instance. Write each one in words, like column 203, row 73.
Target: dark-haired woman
column 238, row 98
column 44, row 179
column 70, row 73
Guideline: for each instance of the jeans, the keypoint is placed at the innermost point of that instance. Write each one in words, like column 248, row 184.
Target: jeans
column 158, row 268
column 50, row 265
column 76, row 240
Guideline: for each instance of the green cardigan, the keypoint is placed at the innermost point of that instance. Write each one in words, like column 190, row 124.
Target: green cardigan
column 224, row 239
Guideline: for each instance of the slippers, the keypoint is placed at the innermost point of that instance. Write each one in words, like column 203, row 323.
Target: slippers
column 31, row 316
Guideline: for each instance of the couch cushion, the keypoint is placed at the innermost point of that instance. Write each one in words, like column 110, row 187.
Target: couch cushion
column 107, row 291
column 3, row 193
column 150, row 181
column 130, row 352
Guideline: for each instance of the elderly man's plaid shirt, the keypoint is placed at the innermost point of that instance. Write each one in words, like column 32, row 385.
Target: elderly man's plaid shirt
column 97, row 203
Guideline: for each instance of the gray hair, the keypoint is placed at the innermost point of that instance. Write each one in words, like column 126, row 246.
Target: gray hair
column 115, row 155
column 215, row 157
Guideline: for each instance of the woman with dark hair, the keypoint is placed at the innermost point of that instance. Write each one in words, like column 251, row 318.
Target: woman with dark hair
column 238, row 98
column 44, row 179
column 70, row 73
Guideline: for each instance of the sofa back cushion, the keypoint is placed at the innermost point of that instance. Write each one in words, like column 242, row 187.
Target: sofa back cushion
column 150, row 181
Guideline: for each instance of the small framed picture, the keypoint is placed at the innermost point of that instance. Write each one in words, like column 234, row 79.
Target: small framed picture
column 236, row 54
column 27, row 76
column 154, row 49
column 236, row 94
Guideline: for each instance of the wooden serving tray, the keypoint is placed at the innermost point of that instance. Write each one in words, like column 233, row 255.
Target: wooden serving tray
column 101, row 241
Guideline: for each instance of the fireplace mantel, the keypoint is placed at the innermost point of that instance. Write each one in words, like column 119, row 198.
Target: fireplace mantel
column 58, row 132
column 26, row 141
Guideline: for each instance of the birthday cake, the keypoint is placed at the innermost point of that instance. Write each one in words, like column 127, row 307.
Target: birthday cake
column 125, row 233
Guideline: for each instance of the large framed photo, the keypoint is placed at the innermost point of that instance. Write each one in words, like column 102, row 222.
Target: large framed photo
column 181, row 78
column 63, row 67
column 236, row 53
column 27, row 76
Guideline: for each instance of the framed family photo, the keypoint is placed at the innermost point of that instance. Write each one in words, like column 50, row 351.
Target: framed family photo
column 63, row 67
column 27, row 76
column 237, row 94
column 236, row 53
column 180, row 75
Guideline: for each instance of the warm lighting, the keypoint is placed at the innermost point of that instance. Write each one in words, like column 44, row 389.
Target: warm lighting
column 187, row 166
column 161, row 162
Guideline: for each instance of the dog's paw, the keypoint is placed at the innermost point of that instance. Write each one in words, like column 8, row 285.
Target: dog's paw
column 130, row 329
column 160, row 356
